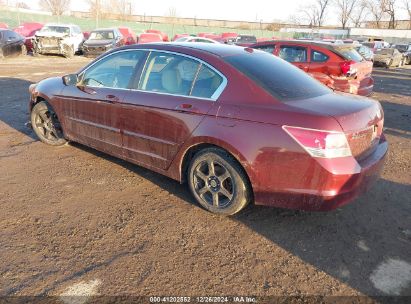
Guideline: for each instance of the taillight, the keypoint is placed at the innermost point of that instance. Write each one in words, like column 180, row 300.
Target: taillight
column 319, row 143
column 347, row 68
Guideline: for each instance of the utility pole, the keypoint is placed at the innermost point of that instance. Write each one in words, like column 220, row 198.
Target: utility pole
column 97, row 12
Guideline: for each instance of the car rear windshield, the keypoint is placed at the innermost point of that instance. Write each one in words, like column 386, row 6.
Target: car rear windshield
column 280, row 78
column 350, row 54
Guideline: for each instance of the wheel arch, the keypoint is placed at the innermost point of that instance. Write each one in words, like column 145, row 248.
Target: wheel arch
column 198, row 146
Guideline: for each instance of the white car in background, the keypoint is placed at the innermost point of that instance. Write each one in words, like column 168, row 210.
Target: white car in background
column 196, row 39
column 63, row 39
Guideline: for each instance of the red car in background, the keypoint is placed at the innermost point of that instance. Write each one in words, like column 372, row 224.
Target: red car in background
column 177, row 36
column 28, row 30
column 339, row 66
column 149, row 38
column 237, row 125
column 128, row 34
column 163, row 35
column 3, row 25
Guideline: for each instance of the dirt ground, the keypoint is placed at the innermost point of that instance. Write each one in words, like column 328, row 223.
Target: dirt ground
column 76, row 221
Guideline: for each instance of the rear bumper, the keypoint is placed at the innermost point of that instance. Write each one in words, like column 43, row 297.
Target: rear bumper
column 364, row 87
column 328, row 190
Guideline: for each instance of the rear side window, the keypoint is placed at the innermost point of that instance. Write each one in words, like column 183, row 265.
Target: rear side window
column 317, row 56
column 293, row 53
column 281, row 79
column 179, row 75
column 350, row 54
column 207, row 83
column 266, row 48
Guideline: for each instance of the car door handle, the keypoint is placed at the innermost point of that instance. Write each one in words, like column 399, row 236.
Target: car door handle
column 187, row 107
column 112, row 98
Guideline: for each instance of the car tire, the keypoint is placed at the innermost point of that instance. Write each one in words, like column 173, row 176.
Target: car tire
column 218, row 182
column 23, row 50
column 46, row 125
column 68, row 51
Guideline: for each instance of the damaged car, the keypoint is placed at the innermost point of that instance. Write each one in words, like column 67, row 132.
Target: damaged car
column 61, row 39
column 101, row 41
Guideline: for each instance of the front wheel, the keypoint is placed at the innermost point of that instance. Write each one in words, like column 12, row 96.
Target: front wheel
column 218, row 182
column 46, row 125
column 68, row 51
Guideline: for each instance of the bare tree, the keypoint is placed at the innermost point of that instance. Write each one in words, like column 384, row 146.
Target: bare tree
column 100, row 8
column 122, row 7
column 376, row 8
column 56, row 7
column 315, row 12
column 389, row 7
column 345, row 9
column 359, row 13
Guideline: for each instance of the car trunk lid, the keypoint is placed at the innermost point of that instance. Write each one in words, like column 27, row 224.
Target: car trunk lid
column 360, row 118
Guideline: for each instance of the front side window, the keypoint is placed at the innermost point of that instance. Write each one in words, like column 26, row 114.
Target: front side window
column 317, row 56
column 293, row 53
column 114, row 71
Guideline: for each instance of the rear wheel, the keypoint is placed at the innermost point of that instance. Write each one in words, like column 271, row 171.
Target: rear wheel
column 46, row 125
column 218, row 182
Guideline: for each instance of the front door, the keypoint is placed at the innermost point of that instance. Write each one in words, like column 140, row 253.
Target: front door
column 173, row 95
column 92, row 109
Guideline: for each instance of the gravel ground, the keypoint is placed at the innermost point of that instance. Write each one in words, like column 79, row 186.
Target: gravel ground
column 76, row 221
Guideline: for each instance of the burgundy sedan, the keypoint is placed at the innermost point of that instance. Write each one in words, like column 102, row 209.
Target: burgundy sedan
column 238, row 125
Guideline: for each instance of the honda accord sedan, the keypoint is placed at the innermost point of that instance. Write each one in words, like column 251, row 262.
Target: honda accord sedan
column 237, row 125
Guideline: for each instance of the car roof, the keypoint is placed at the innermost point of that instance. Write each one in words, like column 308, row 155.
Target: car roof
column 60, row 24
column 104, row 29
column 325, row 44
column 221, row 50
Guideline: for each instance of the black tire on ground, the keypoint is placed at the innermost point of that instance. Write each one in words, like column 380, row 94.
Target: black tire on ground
column 68, row 51
column 46, row 125
column 23, row 50
column 218, row 182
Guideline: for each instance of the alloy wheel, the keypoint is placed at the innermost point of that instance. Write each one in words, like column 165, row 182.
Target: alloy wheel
column 213, row 183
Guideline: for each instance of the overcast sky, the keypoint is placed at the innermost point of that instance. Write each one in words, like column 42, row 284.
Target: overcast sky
column 254, row 10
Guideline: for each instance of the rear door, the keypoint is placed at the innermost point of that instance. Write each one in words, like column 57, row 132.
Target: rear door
column 321, row 66
column 173, row 95
column 295, row 54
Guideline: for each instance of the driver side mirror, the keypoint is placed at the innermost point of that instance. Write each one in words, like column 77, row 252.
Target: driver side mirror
column 71, row 79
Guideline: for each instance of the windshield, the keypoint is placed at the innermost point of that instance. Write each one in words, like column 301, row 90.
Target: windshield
column 182, row 39
column 102, row 35
column 278, row 77
column 401, row 47
column 55, row 29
